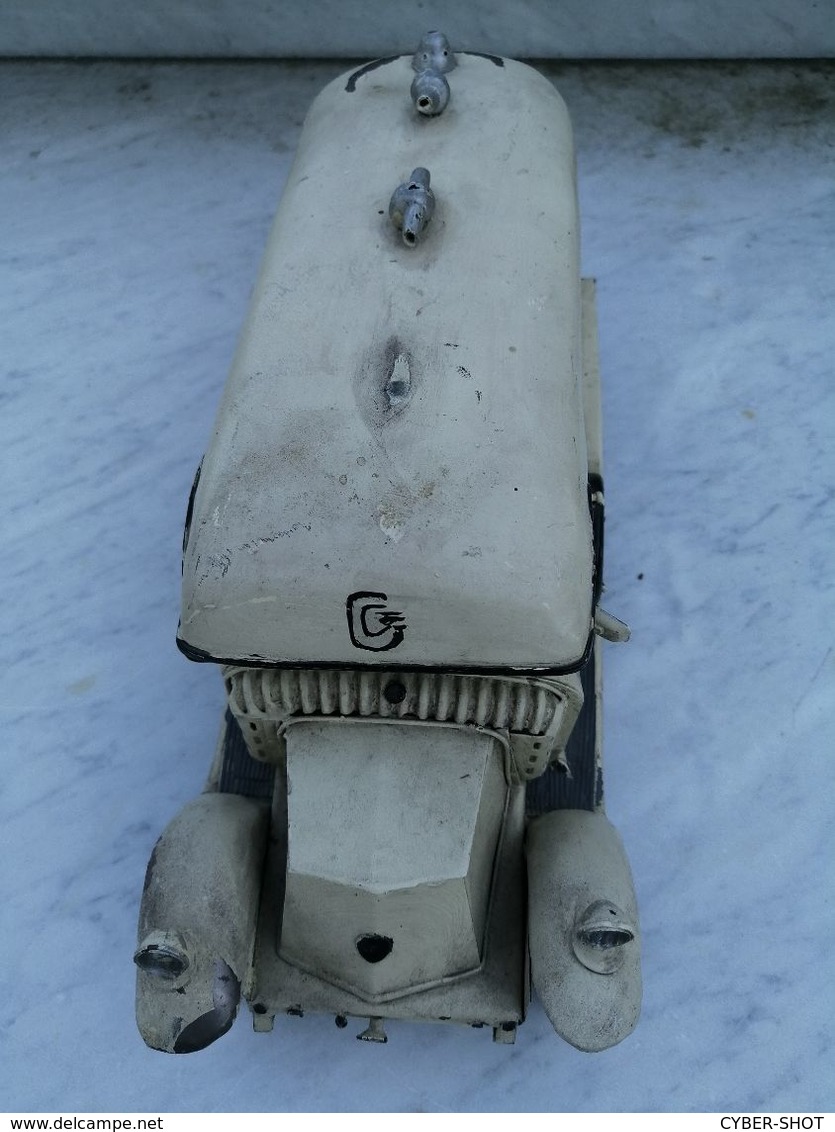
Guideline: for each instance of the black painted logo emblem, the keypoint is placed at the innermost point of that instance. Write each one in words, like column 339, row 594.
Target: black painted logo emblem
column 372, row 625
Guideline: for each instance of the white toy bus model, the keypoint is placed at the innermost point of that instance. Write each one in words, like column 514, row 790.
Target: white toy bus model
column 394, row 551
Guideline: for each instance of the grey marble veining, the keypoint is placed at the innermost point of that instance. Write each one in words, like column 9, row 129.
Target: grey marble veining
column 136, row 201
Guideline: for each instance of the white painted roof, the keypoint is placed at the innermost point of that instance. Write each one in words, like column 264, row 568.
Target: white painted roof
column 465, row 505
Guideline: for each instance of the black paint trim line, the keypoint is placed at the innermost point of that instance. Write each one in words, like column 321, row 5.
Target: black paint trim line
column 354, row 78
column 351, row 84
column 596, row 508
column 190, row 513
column 200, row 656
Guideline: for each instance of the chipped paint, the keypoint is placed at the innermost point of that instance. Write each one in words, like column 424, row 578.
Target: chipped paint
column 399, row 384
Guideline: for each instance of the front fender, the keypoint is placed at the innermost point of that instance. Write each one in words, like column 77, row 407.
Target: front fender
column 583, row 928
column 197, row 921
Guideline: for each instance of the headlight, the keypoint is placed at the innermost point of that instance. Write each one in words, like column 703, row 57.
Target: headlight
column 600, row 936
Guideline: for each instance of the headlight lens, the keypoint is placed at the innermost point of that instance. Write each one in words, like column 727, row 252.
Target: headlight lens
column 600, row 936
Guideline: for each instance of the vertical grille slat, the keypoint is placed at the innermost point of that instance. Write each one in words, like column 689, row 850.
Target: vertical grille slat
column 328, row 691
column 308, row 686
column 347, row 692
column 249, row 687
column 445, row 699
column 540, row 711
column 502, row 708
column 462, row 706
column 366, row 696
column 520, row 709
column 426, row 688
column 484, row 702
column 290, row 695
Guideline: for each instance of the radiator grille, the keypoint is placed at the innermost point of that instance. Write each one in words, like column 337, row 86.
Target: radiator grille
column 515, row 705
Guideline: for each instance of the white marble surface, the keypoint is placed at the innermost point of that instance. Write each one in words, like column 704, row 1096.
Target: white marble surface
column 136, row 200
column 541, row 29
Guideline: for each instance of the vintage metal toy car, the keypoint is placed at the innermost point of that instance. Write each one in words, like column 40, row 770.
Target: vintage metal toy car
column 394, row 549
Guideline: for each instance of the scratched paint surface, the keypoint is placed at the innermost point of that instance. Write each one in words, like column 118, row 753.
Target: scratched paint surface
column 386, row 491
